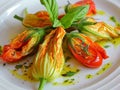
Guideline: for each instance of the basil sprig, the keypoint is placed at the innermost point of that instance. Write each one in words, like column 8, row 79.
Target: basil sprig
column 74, row 14
column 52, row 8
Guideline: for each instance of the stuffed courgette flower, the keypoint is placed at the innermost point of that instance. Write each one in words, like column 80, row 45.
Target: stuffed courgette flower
column 22, row 45
column 49, row 60
column 85, row 50
column 39, row 19
column 96, row 30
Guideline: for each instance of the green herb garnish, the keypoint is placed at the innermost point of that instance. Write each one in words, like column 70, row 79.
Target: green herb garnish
column 67, row 58
column 113, row 19
column 52, row 8
column 69, row 74
column 18, row 66
column 73, row 15
column 106, row 46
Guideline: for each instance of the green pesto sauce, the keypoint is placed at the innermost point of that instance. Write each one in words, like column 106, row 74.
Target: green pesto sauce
column 113, row 19
column 99, row 72
column 100, row 12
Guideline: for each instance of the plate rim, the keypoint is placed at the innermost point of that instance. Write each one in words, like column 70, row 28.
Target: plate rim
column 4, row 82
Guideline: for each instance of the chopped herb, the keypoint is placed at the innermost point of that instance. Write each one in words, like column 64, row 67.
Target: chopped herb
column 97, row 73
column 70, row 81
column 89, row 76
column 70, row 73
column 25, row 63
column 106, row 46
column 112, row 18
column 4, row 64
column 66, row 80
column 25, row 74
column 68, row 65
column 14, row 70
column 26, row 67
column 118, row 24
column 73, row 79
column 0, row 50
column 77, row 70
column 103, row 69
column 85, row 48
column 18, row 66
column 25, row 71
column 108, row 64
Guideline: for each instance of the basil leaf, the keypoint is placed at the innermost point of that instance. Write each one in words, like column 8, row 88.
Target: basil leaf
column 52, row 8
column 74, row 14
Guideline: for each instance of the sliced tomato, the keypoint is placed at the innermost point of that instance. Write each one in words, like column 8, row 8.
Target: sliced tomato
column 92, row 8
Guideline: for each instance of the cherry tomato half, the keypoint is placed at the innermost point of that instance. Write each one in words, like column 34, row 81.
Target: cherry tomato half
column 92, row 8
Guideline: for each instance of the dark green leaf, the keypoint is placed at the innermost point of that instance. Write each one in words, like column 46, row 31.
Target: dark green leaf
column 52, row 8
column 73, row 15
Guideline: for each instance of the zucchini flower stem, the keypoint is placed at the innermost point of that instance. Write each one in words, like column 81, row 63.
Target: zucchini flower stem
column 42, row 83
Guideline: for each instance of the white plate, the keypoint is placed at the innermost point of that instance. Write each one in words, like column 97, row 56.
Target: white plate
column 10, row 27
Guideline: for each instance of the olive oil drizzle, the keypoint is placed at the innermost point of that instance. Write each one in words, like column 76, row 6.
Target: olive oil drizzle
column 99, row 72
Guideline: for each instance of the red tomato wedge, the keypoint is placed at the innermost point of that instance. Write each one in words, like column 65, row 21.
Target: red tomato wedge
column 92, row 8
